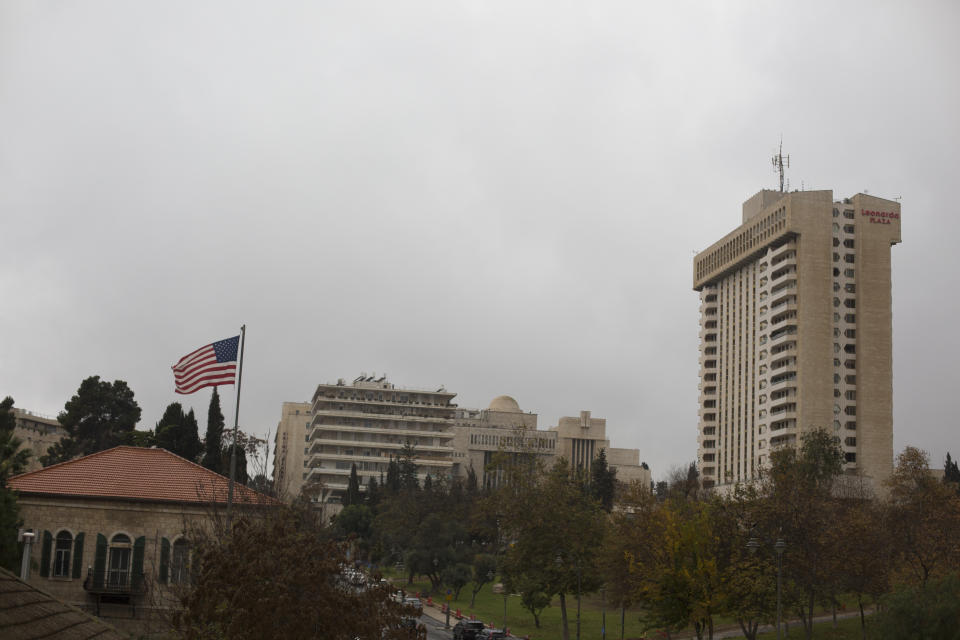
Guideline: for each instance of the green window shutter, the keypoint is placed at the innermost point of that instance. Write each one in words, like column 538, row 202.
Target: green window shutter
column 139, row 546
column 78, row 555
column 45, row 554
column 100, row 561
column 164, row 559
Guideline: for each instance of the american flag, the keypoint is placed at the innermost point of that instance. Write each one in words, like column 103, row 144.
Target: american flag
column 208, row 366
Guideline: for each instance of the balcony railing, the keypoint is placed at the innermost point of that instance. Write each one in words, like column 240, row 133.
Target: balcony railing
column 114, row 581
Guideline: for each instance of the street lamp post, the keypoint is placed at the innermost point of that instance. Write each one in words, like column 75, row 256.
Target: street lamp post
column 779, row 546
column 603, row 620
column 504, row 610
column 753, row 544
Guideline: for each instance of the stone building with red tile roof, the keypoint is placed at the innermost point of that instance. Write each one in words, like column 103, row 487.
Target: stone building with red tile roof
column 112, row 529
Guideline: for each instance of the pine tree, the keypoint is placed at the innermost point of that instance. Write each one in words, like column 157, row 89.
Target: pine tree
column 950, row 472
column 407, row 465
column 13, row 460
column 353, row 487
column 393, row 476
column 100, row 416
column 373, row 492
column 603, row 481
column 213, row 456
column 177, row 432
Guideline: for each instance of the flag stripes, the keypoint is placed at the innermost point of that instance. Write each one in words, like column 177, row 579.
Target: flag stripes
column 208, row 366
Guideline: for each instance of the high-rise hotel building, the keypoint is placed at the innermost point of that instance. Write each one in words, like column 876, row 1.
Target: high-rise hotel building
column 363, row 423
column 795, row 333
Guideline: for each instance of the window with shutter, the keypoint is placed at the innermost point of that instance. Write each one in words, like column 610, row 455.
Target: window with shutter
column 45, row 554
column 139, row 546
column 63, row 547
column 78, row 556
column 164, row 560
column 100, row 561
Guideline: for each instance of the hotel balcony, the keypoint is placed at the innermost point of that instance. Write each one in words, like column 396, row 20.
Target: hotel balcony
column 781, row 362
column 782, row 301
column 783, row 334
column 784, row 412
column 777, row 253
column 384, row 431
column 788, row 345
column 783, row 381
column 788, row 269
column 369, row 415
column 784, row 287
column 389, row 447
column 783, row 425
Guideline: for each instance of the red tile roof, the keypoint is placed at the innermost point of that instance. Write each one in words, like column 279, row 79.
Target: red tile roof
column 134, row 473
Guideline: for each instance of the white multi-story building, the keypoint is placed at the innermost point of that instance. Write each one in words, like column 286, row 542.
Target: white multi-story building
column 364, row 423
column 796, row 333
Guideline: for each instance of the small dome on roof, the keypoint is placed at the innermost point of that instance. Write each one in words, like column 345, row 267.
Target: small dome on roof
column 504, row 403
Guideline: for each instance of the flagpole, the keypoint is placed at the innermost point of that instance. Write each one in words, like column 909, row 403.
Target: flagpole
column 236, row 422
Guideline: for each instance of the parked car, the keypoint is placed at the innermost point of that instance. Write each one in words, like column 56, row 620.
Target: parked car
column 492, row 634
column 467, row 630
column 407, row 629
column 415, row 603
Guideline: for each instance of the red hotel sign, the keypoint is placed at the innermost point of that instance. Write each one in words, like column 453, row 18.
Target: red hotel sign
column 880, row 217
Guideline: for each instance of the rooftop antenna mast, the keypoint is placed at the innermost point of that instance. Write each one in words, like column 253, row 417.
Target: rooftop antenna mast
column 780, row 161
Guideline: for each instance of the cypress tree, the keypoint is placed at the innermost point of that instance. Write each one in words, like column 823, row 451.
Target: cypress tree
column 353, row 487
column 213, row 457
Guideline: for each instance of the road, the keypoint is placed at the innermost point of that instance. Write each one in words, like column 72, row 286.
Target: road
column 435, row 630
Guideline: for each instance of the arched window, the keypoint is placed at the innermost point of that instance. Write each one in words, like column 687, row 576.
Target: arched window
column 118, row 567
column 61, row 555
column 180, row 565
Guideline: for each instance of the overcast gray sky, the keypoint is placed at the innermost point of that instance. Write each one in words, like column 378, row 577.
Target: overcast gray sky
column 499, row 197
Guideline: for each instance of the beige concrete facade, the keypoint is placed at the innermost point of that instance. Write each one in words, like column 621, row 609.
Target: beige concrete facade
column 366, row 423
column 480, row 435
column 37, row 433
column 290, row 447
column 81, row 521
column 580, row 439
column 796, row 333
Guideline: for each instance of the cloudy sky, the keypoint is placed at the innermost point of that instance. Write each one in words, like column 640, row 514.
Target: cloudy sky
column 498, row 197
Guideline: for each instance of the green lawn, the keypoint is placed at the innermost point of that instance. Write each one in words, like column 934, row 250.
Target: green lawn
column 847, row 629
column 489, row 608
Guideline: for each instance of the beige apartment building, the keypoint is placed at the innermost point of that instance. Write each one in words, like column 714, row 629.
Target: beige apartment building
column 796, row 333
column 37, row 433
column 366, row 423
column 580, row 439
column 291, row 445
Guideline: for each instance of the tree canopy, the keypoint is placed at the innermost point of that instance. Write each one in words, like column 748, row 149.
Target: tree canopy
column 213, row 443
column 100, row 416
column 13, row 460
column 177, row 432
column 278, row 574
